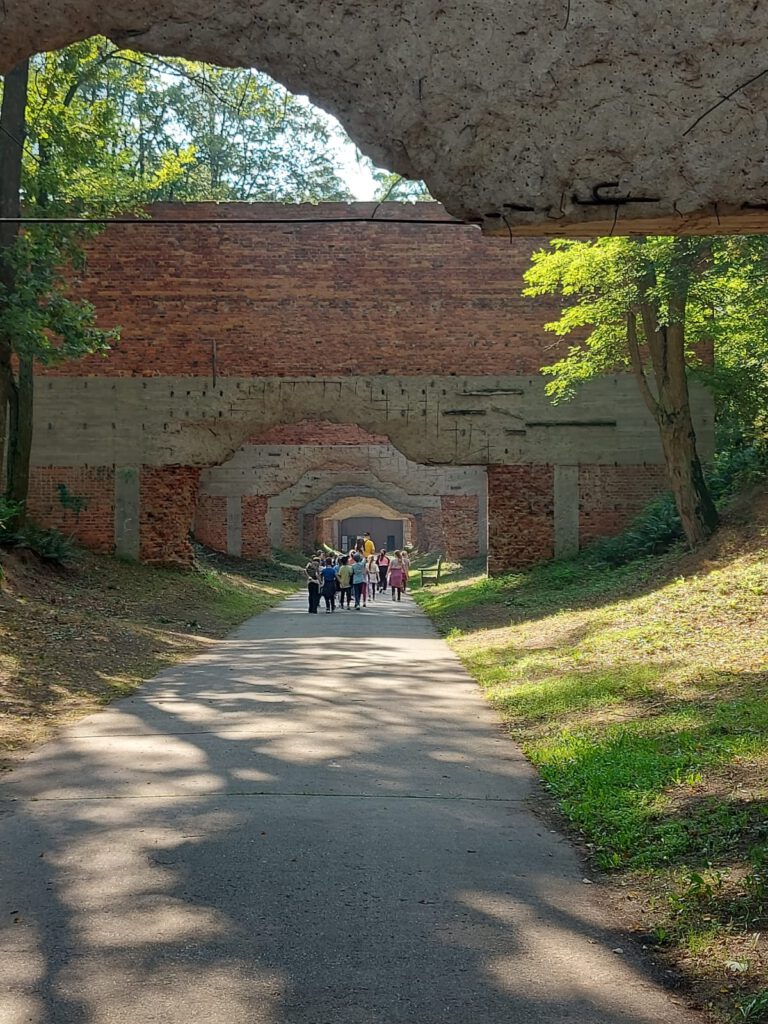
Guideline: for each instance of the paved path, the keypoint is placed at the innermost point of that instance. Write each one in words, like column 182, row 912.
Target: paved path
column 320, row 822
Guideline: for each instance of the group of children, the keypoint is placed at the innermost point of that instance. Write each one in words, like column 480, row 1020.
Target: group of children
column 359, row 575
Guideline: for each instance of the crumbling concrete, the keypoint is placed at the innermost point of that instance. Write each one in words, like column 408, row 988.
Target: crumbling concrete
column 543, row 117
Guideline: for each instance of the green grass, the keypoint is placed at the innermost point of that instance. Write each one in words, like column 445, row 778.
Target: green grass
column 640, row 693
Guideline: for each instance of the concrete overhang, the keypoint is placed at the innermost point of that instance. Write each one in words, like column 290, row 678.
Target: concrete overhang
column 535, row 117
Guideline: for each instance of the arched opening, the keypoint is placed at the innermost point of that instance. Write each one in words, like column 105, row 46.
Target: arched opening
column 345, row 520
column 313, row 481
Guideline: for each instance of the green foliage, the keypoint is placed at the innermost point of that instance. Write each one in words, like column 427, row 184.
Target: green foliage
column 754, row 1009
column 9, row 512
column 39, row 314
column 114, row 126
column 50, row 545
column 658, row 526
column 394, row 187
column 610, row 780
column 727, row 307
column 654, row 531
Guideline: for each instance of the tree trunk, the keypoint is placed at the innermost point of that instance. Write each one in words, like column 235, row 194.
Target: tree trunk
column 686, row 477
column 20, row 434
column 671, row 407
column 12, row 132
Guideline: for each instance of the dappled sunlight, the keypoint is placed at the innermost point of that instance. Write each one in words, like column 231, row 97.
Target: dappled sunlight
column 276, row 830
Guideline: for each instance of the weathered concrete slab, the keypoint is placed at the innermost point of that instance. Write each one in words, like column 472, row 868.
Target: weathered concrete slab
column 320, row 821
column 440, row 420
column 535, row 117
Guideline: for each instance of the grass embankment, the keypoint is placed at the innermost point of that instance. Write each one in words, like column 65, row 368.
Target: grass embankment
column 74, row 638
column 641, row 695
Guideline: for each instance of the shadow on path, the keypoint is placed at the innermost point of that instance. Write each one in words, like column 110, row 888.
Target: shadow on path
column 320, row 821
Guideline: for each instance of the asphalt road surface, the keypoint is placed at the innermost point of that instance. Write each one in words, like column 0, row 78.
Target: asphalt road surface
column 318, row 822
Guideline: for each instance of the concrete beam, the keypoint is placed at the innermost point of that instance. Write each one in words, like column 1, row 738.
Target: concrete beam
column 469, row 421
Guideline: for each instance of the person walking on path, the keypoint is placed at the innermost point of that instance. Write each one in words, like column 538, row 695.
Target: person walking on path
column 396, row 576
column 382, row 562
column 358, row 579
column 312, row 572
column 373, row 577
column 405, row 559
column 345, row 581
column 328, row 576
column 369, row 548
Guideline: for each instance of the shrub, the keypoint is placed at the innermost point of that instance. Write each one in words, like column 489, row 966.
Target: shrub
column 658, row 526
column 9, row 511
column 49, row 545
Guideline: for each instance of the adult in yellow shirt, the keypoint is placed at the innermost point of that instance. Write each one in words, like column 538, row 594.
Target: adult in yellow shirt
column 369, row 547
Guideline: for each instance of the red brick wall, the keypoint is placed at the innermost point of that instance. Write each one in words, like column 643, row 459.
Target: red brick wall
column 611, row 496
column 210, row 526
column 312, row 526
column 460, row 525
column 308, row 299
column 291, row 539
column 93, row 526
column 431, row 537
column 320, row 432
column 255, row 537
column 520, row 516
column 168, row 499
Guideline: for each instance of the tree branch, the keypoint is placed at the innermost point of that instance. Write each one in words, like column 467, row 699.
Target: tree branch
column 637, row 365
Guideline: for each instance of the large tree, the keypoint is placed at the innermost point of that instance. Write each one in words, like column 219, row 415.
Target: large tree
column 648, row 305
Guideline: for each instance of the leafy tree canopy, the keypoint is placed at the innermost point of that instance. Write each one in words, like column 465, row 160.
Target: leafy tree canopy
column 726, row 284
column 112, row 127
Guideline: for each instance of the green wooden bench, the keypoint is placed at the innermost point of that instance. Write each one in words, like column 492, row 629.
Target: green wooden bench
column 432, row 572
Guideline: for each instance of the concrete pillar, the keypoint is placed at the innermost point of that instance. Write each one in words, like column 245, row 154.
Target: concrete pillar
column 482, row 517
column 234, row 525
column 520, row 516
column 275, row 525
column 127, row 509
column 566, row 500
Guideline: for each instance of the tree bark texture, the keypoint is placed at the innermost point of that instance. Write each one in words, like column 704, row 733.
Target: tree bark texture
column 12, row 133
column 20, row 434
column 671, row 405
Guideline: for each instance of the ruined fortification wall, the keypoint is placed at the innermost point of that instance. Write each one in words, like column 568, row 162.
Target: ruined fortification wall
column 292, row 337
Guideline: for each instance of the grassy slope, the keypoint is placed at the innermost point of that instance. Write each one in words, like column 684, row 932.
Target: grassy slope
column 74, row 638
column 641, row 695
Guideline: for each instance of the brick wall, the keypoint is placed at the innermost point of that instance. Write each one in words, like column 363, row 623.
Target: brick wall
column 255, row 538
column 431, row 537
column 308, row 432
column 460, row 525
column 93, row 525
column 611, row 496
column 210, row 526
column 520, row 516
column 168, row 499
column 312, row 299
column 312, row 526
column 291, row 539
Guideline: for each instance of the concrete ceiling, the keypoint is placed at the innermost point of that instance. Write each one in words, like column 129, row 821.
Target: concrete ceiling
column 350, row 508
column 530, row 116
